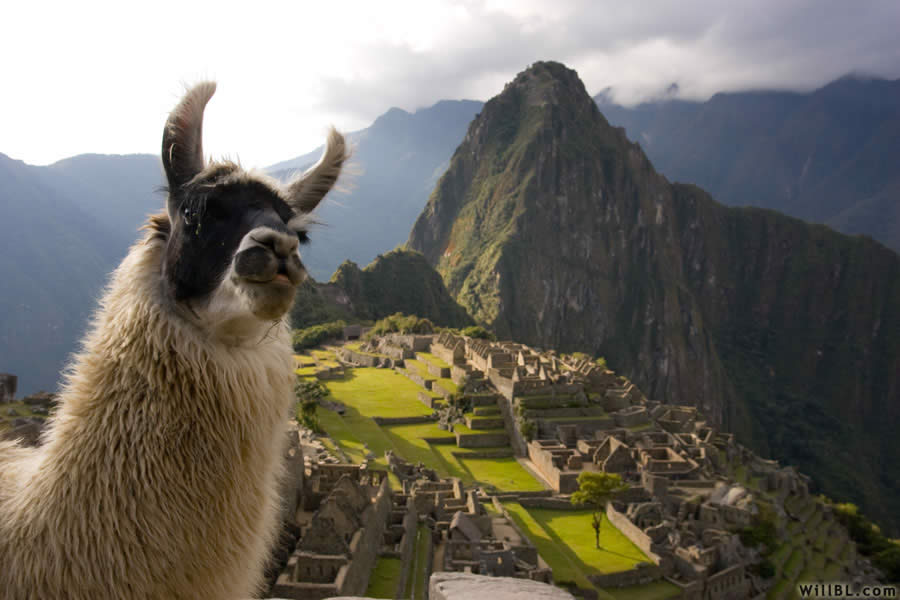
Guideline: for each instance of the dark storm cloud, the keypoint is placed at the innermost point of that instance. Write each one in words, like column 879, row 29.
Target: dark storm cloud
column 638, row 49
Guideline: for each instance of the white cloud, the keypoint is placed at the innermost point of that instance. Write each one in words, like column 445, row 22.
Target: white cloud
column 101, row 77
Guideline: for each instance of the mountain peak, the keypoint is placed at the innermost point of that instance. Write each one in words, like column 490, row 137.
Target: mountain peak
column 549, row 82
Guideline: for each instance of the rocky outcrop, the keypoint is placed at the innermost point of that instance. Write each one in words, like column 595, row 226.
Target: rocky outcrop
column 462, row 586
column 552, row 228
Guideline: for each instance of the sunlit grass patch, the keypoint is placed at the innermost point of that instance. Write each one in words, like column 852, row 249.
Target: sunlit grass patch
column 378, row 393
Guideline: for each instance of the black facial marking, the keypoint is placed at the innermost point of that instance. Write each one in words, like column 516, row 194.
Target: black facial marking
column 212, row 218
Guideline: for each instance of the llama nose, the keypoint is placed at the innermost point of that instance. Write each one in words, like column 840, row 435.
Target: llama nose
column 280, row 243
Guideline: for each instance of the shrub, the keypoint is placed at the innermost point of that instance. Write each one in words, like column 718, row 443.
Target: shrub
column 315, row 335
column 400, row 323
column 479, row 332
column 528, row 428
column 308, row 394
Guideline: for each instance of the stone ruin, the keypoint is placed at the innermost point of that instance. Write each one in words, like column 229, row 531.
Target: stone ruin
column 8, row 384
column 342, row 538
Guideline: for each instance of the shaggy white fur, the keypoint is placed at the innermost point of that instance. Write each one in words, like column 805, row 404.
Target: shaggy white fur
column 158, row 476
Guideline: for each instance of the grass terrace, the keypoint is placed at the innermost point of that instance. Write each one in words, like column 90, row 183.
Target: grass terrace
column 304, row 361
column 367, row 393
column 357, row 347
column 447, row 384
column 378, row 392
column 565, row 540
column 384, row 578
column 433, row 359
column 306, row 371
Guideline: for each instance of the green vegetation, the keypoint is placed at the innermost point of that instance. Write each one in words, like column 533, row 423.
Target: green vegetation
column 315, row 335
column 308, row 394
column 384, row 578
column 20, row 408
column 595, row 489
column 884, row 552
column 400, row 323
column 401, row 280
column 478, row 332
column 566, row 544
column 378, row 392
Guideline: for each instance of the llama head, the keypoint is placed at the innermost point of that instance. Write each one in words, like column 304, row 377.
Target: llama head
column 231, row 255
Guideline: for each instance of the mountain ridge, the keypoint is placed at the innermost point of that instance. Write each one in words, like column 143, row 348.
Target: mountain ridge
column 553, row 228
column 823, row 156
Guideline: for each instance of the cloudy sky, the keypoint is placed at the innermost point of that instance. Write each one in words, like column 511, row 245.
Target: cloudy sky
column 92, row 76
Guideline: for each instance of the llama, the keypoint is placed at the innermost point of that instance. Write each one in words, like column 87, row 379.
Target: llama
column 158, row 475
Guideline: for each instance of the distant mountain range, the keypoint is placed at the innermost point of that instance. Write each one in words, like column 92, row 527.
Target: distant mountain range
column 554, row 229
column 64, row 228
column 828, row 156
column 394, row 167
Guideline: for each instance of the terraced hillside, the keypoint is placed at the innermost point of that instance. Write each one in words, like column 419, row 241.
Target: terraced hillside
column 385, row 409
column 426, row 401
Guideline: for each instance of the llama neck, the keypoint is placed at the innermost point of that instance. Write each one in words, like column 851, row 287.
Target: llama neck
column 169, row 443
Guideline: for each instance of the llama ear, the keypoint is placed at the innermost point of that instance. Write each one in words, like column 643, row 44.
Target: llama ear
column 182, row 147
column 305, row 192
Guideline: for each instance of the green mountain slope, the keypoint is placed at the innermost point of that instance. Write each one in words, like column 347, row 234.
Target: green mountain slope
column 399, row 281
column 551, row 227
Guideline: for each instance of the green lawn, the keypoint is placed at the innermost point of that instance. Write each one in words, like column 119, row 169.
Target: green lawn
column 616, row 552
column 384, row 578
column 459, row 427
column 323, row 354
column 304, row 361
column 306, row 371
column 378, row 393
column 565, row 540
column 564, row 567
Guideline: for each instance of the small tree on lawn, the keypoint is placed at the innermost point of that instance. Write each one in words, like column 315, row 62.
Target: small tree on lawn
column 309, row 392
column 595, row 489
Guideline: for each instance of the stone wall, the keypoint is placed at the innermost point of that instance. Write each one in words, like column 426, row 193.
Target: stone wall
column 484, row 454
column 407, row 546
column 516, row 439
column 635, row 576
column 365, row 360
column 427, row 399
column 481, row 440
column 632, row 532
column 366, row 543
column 438, row 388
column 553, row 503
column 416, row 343
column 457, row 374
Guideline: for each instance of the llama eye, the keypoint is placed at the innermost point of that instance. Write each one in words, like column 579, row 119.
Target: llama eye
column 303, row 237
